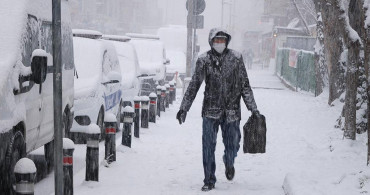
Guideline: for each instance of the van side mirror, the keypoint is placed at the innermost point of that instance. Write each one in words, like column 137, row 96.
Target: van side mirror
column 39, row 69
column 167, row 61
column 112, row 77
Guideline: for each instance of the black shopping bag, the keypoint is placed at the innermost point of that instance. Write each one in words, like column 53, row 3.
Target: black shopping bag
column 255, row 135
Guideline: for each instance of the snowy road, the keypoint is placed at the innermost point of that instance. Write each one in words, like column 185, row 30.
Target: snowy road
column 167, row 159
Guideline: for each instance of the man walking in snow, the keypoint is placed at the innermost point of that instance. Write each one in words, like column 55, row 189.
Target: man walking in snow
column 226, row 82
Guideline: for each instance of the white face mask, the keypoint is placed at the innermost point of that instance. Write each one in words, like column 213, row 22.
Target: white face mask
column 219, row 47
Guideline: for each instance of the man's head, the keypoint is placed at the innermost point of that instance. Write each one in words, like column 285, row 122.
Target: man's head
column 219, row 39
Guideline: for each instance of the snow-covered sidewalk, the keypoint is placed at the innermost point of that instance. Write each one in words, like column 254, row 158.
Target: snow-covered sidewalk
column 304, row 152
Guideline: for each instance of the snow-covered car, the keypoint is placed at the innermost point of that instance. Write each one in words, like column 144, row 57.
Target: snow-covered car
column 26, row 82
column 97, row 82
column 177, row 65
column 130, row 67
column 152, row 59
column 174, row 38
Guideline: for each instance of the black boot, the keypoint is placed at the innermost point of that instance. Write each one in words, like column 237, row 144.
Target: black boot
column 230, row 172
column 208, row 187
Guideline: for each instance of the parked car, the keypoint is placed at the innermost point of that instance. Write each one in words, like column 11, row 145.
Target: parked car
column 129, row 64
column 97, row 82
column 152, row 59
column 26, row 82
column 178, row 65
column 174, row 38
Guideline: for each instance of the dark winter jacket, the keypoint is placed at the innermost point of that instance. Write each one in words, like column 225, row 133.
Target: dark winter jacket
column 226, row 81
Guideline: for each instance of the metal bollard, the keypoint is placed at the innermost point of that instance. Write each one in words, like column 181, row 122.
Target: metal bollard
column 167, row 95
column 159, row 92
column 152, row 107
column 128, row 119
column 25, row 176
column 145, row 112
column 110, row 126
column 137, row 100
column 171, row 91
column 163, row 99
column 92, row 153
column 68, row 148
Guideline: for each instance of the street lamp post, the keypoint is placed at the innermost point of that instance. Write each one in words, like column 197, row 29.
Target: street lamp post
column 189, row 52
column 57, row 94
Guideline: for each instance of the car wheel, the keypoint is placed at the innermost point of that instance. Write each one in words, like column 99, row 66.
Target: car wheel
column 16, row 151
column 66, row 126
column 100, row 123
column 49, row 156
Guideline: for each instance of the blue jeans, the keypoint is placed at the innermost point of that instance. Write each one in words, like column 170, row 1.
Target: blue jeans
column 231, row 139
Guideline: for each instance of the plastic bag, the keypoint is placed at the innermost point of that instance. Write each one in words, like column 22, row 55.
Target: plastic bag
column 255, row 135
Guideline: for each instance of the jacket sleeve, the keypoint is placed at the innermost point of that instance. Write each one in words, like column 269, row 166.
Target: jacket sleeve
column 194, row 85
column 246, row 90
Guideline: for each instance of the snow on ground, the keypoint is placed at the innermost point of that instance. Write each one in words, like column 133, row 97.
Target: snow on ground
column 305, row 153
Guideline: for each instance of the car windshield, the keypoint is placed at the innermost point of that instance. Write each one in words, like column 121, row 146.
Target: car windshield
column 88, row 57
column 148, row 50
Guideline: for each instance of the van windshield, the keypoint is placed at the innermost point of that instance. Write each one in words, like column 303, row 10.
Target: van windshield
column 148, row 50
column 88, row 58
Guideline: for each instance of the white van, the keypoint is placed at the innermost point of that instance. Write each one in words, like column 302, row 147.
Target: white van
column 130, row 67
column 152, row 59
column 26, row 81
column 174, row 38
column 97, row 82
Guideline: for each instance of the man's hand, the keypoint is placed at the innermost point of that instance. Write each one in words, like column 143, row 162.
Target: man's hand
column 256, row 113
column 181, row 115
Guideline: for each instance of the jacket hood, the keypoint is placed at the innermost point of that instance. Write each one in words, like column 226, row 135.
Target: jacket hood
column 214, row 32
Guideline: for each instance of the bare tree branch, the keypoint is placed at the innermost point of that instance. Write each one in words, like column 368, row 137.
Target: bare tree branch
column 303, row 20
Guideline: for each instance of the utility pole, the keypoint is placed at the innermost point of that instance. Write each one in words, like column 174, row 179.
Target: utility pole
column 189, row 52
column 57, row 94
column 194, row 38
column 222, row 13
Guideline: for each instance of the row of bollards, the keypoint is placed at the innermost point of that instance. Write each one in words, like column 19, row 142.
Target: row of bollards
column 25, row 172
column 25, row 169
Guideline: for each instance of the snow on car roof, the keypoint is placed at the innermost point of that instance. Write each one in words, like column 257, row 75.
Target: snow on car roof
column 149, row 50
column 174, row 37
column 177, row 61
column 142, row 36
column 92, row 34
column 120, row 38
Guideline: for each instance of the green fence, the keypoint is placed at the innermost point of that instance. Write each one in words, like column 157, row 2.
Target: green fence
column 297, row 68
